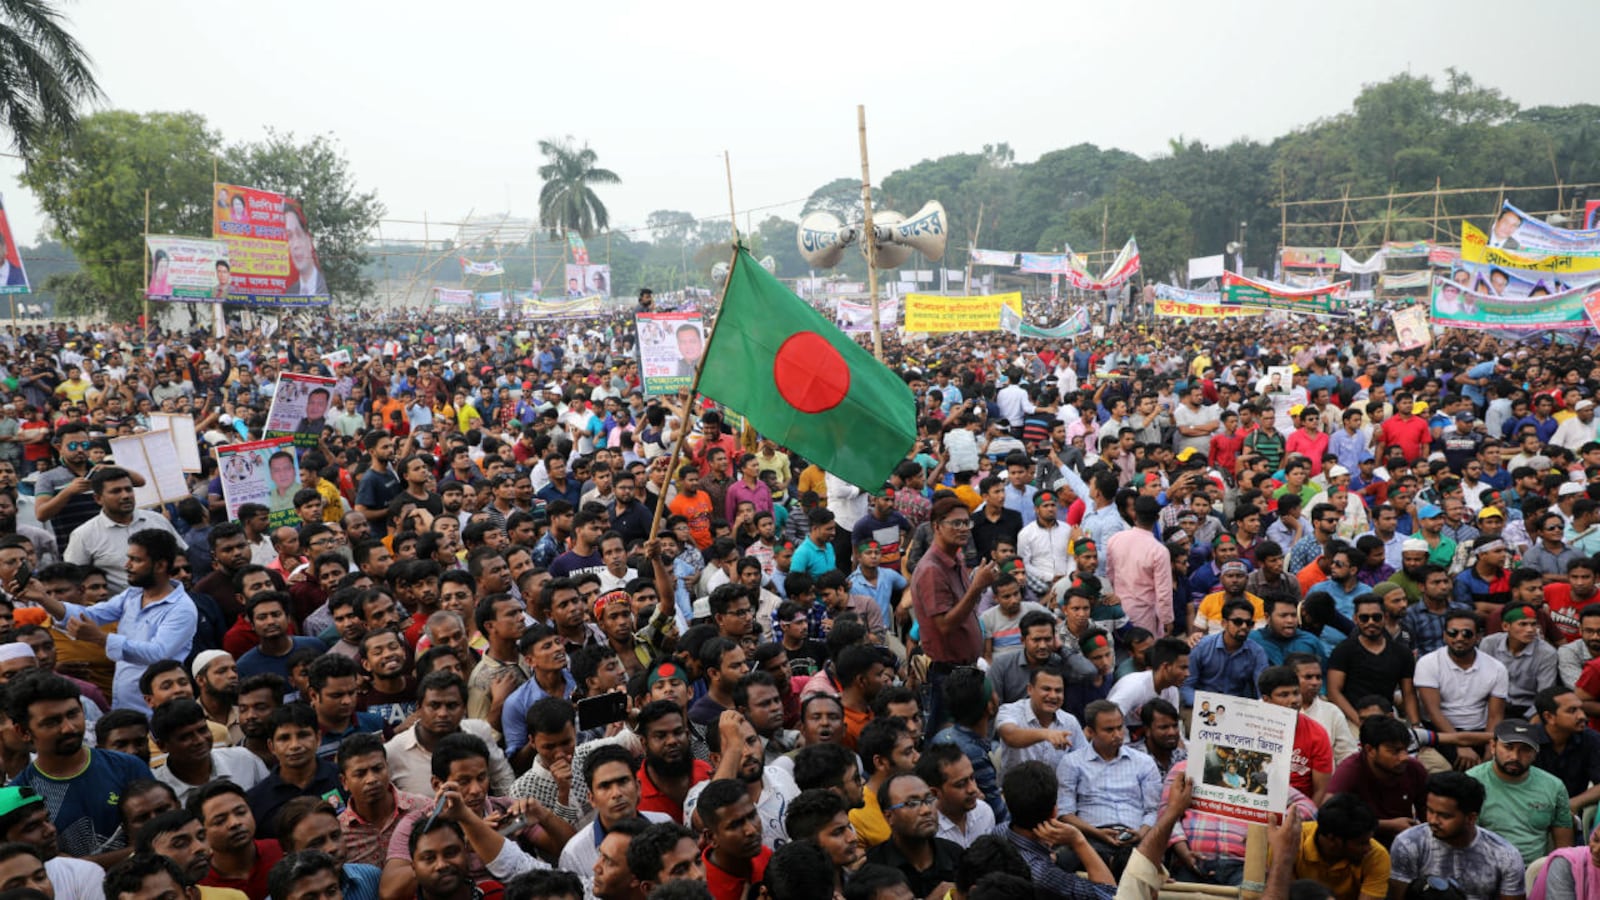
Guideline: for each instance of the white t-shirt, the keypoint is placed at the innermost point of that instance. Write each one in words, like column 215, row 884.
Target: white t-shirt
column 1134, row 691
column 1463, row 693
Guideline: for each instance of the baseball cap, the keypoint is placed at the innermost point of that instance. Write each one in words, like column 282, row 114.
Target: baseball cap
column 1516, row 731
column 1429, row 511
column 1337, row 471
column 1418, row 408
column 15, row 798
column 1186, row 453
column 1489, row 512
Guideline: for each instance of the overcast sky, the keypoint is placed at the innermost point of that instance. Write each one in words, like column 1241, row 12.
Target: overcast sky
column 439, row 107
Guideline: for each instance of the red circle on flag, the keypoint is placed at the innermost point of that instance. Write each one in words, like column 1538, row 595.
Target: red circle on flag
column 810, row 373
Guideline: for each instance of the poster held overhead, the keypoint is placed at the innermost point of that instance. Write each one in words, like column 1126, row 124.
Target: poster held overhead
column 1240, row 755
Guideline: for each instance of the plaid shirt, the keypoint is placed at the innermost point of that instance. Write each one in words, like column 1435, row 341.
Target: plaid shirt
column 1213, row 837
column 1056, row 881
column 368, row 842
column 1426, row 627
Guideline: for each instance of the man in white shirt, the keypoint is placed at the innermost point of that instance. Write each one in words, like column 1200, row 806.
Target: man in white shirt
column 102, row 542
column 963, row 816
column 1459, row 688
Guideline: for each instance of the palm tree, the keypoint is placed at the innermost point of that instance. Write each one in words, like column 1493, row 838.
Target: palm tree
column 44, row 73
column 566, row 202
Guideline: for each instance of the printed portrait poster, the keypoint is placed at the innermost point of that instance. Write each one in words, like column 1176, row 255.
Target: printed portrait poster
column 670, row 346
column 184, row 268
column 270, row 248
column 264, row 472
column 1411, row 327
column 1240, row 753
column 13, row 277
column 301, row 405
column 587, row 281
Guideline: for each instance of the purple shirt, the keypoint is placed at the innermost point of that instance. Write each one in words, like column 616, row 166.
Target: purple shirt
column 759, row 496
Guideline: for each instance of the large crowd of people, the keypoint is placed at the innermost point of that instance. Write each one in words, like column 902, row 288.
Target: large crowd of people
column 511, row 642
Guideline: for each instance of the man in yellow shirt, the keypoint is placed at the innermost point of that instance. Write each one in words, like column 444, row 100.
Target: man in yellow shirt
column 75, row 386
column 1338, row 851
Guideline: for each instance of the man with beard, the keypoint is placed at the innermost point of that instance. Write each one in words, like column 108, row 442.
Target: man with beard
column 1413, row 557
column 156, row 619
column 217, row 678
column 914, row 847
column 1385, row 776
column 758, row 698
column 1572, row 658
column 177, row 835
column 736, row 752
column 441, row 711
column 963, row 816
column 238, row 860
column 439, row 858
column 822, row 817
column 379, row 485
column 259, row 696
column 629, row 517
column 1525, row 805
column 61, row 495
column 182, row 731
column 391, row 690
column 1370, row 661
column 1452, row 845
column 102, row 542
column 1460, row 689
column 1162, row 741
column 1426, row 621
column 299, row 773
column 269, row 616
column 24, row 819
column 669, row 769
column 230, row 552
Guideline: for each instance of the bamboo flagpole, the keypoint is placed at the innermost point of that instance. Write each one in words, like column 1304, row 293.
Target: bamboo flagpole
column 694, row 384
column 145, row 286
column 869, row 239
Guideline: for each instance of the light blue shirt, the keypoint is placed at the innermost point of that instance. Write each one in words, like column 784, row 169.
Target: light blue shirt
column 145, row 635
column 1122, row 790
column 1100, row 522
column 888, row 582
column 514, row 714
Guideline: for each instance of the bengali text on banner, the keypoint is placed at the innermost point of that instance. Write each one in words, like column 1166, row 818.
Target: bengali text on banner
column 452, row 297
column 1328, row 300
column 1514, row 229
column 272, row 258
column 1311, row 257
column 1172, row 302
column 992, row 257
column 1458, row 307
column 186, row 269
column 931, row 313
column 493, row 267
column 1475, row 249
column 854, row 317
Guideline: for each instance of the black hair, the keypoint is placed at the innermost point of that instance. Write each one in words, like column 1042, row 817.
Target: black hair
column 822, row 766
column 648, row 847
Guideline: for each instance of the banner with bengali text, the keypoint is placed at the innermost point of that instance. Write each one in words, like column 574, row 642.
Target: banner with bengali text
column 1475, row 249
column 1350, row 264
column 443, row 296
column 1328, row 300
column 670, row 347
column 1514, row 229
column 1011, row 322
column 930, row 313
column 992, row 257
column 1310, row 257
column 264, row 472
column 1399, row 281
column 1045, row 263
column 539, row 308
column 855, row 317
column 186, row 269
column 1457, row 307
column 1406, row 249
column 493, row 267
column 271, row 254
column 1411, row 327
column 1172, row 302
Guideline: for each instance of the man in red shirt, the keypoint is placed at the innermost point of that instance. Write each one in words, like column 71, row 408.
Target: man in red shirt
column 735, row 856
column 945, row 598
column 1312, row 764
column 238, row 860
column 1226, row 444
column 1406, row 429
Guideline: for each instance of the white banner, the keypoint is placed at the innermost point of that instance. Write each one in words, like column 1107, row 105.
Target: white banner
column 1203, row 267
column 993, row 257
column 1374, row 263
column 856, row 318
column 493, row 267
column 1240, row 754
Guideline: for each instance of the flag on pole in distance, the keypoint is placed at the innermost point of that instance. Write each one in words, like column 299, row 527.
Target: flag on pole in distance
column 804, row 383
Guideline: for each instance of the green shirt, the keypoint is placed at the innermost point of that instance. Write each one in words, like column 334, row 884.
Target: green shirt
column 1524, row 812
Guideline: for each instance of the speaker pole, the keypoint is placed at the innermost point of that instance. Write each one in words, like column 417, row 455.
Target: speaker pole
column 869, row 237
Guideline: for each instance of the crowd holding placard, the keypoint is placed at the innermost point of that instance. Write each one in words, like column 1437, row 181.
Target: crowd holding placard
column 451, row 655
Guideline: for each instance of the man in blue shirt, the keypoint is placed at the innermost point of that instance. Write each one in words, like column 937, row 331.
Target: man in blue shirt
column 155, row 617
column 1227, row 661
column 334, row 687
column 269, row 616
column 815, row 555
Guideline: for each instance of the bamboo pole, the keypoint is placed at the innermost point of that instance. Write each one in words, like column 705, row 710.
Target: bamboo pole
column 869, row 238
column 1256, row 850
column 694, row 384
column 146, row 284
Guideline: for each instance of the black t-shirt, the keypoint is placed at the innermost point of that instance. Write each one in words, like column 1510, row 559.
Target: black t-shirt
column 1370, row 673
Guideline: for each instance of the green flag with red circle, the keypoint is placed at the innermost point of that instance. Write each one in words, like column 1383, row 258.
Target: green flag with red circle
column 804, row 383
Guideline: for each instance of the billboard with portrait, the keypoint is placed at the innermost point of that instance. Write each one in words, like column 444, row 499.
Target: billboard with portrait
column 300, row 407
column 13, row 277
column 187, row 269
column 264, row 472
column 270, row 248
column 587, row 281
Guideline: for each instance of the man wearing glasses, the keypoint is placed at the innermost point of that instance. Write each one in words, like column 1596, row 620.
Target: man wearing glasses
column 61, row 495
column 1226, row 662
column 913, row 846
column 946, row 597
column 1459, row 688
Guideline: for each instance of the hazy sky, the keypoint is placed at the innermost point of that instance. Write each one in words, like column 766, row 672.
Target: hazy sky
column 440, row 107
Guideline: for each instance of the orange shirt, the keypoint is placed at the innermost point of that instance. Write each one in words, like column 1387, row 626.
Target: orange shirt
column 853, row 723
column 697, row 509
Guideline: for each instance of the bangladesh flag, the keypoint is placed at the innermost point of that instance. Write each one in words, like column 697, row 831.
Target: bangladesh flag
column 803, row 383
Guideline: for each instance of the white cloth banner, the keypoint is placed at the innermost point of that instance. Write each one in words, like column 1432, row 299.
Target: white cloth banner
column 992, row 257
column 468, row 267
column 1374, row 263
column 1203, row 267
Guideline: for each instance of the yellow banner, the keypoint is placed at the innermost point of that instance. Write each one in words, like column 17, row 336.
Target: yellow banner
column 1177, row 309
column 934, row 314
column 1475, row 249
